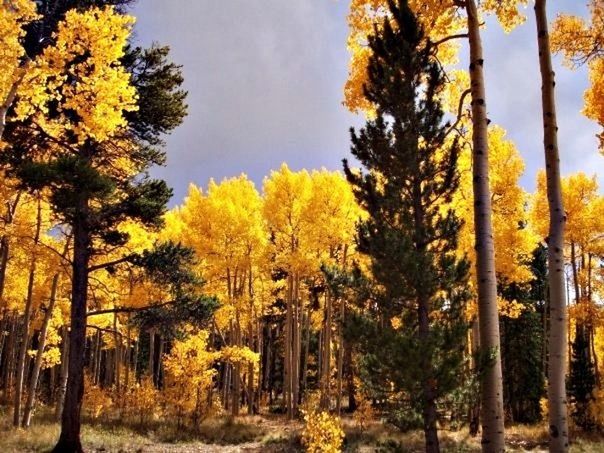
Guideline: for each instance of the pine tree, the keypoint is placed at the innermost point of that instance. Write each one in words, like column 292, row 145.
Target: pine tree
column 581, row 380
column 97, row 184
column 409, row 235
column 522, row 341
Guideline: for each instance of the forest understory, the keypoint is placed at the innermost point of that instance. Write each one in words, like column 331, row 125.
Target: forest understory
column 260, row 434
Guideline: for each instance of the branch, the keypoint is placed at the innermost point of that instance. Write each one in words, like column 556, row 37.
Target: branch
column 449, row 38
column 108, row 264
column 129, row 309
column 102, row 329
column 459, row 109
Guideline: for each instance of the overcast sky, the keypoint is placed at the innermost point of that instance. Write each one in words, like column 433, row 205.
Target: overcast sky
column 265, row 82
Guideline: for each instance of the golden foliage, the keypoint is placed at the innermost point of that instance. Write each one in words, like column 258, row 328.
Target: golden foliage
column 189, row 377
column 81, row 72
column 97, row 401
column 322, row 432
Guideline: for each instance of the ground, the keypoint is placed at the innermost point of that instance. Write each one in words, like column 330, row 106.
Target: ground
column 266, row 434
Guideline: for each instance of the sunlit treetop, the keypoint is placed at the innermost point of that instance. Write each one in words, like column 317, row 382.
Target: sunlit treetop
column 77, row 89
column 441, row 20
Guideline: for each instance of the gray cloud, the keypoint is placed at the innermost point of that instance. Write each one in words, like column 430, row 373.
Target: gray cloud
column 265, row 82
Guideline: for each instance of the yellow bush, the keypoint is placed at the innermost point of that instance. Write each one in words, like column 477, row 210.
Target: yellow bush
column 141, row 400
column 322, row 433
column 96, row 400
column 189, row 378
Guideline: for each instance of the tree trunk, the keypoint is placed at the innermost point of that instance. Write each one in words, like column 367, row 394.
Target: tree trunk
column 492, row 385
column 26, row 320
column 429, row 383
column 558, row 423
column 152, row 355
column 33, row 384
column 64, row 374
column 287, row 369
column 326, row 353
column 340, row 364
column 69, row 440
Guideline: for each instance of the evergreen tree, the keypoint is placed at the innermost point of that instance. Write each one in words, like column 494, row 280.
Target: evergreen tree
column 413, row 329
column 581, row 380
column 522, row 343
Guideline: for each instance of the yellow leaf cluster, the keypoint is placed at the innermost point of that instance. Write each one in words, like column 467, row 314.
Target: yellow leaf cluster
column 82, row 75
column 189, row 376
column 322, row 432
column 514, row 239
column 97, row 401
column 141, row 401
column 440, row 19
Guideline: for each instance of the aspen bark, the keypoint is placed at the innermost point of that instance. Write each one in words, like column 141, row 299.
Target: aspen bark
column 26, row 320
column 492, row 385
column 33, row 385
column 63, row 375
column 558, row 423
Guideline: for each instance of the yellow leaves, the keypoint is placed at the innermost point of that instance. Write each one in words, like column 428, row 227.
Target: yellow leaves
column 440, row 19
column 514, row 240
column 583, row 42
column 82, row 74
column 510, row 308
column 322, row 432
column 96, row 400
column 583, row 205
column 594, row 95
column 14, row 16
column 239, row 355
column 507, row 12
column 576, row 38
column 189, row 376
column 141, row 400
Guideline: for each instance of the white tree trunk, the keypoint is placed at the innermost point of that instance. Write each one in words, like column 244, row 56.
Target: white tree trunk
column 491, row 385
column 556, row 392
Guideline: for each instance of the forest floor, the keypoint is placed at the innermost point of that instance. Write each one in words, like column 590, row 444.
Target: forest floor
column 259, row 434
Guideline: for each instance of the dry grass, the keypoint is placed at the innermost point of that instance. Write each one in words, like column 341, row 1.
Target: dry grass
column 269, row 433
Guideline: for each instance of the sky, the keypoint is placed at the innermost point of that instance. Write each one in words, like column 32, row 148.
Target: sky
column 265, row 81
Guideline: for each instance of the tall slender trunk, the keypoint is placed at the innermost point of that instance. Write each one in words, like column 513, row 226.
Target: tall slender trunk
column 558, row 423
column 298, row 306
column 287, row 369
column 5, row 244
column 69, row 440
column 326, row 356
column 492, row 384
column 152, row 355
column 340, row 363
column 33, row 384
column 63, row 375
column 26, row 320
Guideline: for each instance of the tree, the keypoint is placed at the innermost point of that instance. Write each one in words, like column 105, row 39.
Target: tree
column 555, row 243
column 93, row 149
column 410, row 238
